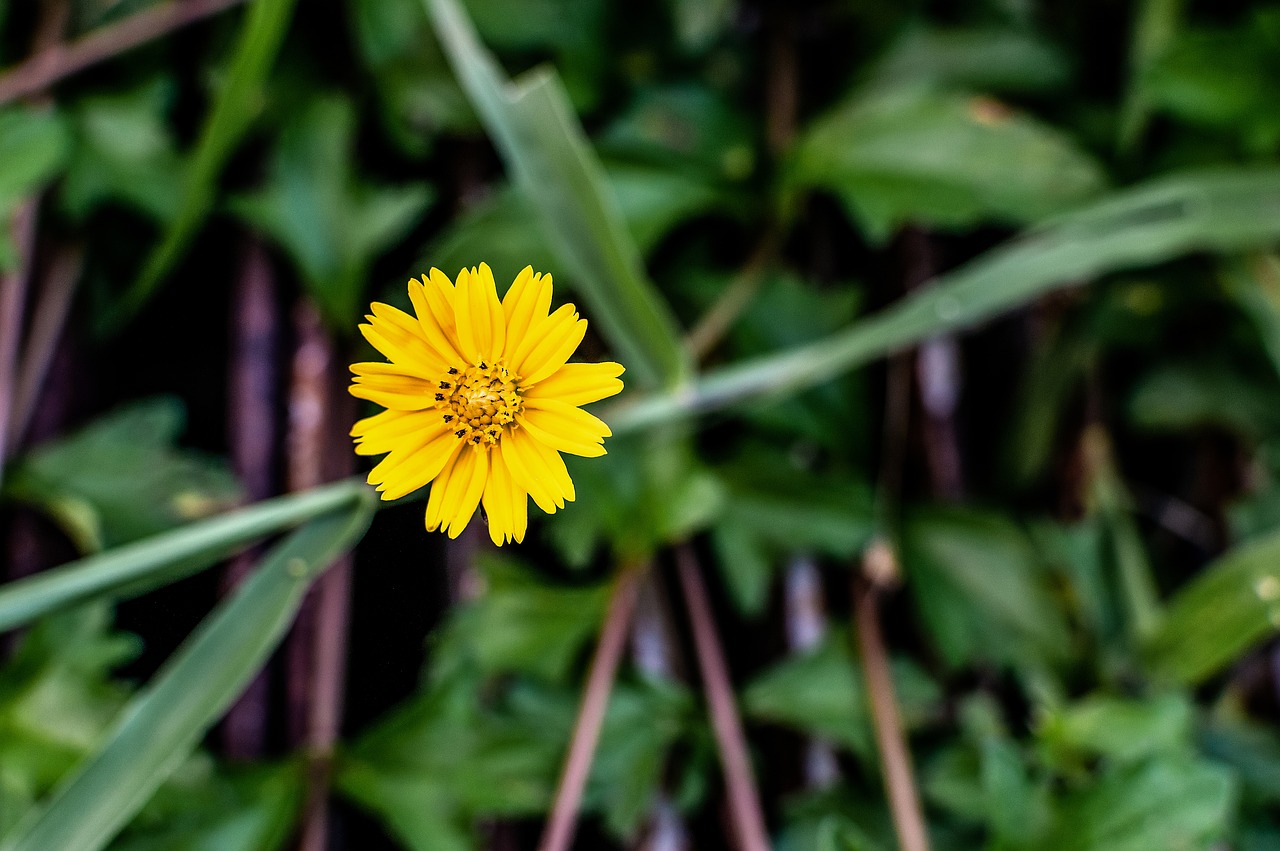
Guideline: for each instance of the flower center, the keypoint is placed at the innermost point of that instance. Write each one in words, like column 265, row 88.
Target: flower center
column 479, row 402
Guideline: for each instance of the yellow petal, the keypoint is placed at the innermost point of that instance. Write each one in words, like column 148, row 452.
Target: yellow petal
column 532, row 480
column 565, row 428
column 548, row 345
column 505, row 504
column 416, row 469
column 441, row 340
column 579, row 383
column 393, row 429
column 407, row 351
column 467, row 485
column 439, row 291
column 481, row 323
column 526, row 303
column 542, row 465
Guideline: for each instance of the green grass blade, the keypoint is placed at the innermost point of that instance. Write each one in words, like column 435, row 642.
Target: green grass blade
column 1226, row 609
column 1226, row 210
column 155, row 561
column 239, row 102
column 164, row 722
column 539, row 137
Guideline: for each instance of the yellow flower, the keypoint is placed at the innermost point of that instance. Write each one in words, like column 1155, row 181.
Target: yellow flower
column 480, row 399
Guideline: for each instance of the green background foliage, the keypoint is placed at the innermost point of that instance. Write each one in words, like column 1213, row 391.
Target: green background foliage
column 994, row 283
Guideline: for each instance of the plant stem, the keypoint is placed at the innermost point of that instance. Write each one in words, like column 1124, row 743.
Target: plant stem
column 48, row 321
column 895, row 758
column 744, row 799
column 253, row 433
column 317, row 650
column 655, row 652
column 13, row 298
column 54, row 63
column 558, row 834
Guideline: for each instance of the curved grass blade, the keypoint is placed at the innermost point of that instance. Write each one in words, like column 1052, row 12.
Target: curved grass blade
column 539, row 137
column 134, row 568
column 1224, row 210
column 238, row 104
column 164, row 722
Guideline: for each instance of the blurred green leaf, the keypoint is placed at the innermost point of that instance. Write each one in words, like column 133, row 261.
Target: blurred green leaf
column 538, row 135
column 34, row 145
column 822, row 693
column 501, row 229
column 56, row 701
column 125, row 151
column 1124, row 730
column 1177, row 397
column 989, row 59
column 942, row 161
column 164, row 722
column 1251, row 750
column 419, row 95
column 204, row 808
column 448, row 758
column 1218, row 78
column 330, row 224
column 773, row 510
column 646, row 492
column 134, row 568
column 1225, row 210
column 690, row 128
column 1158, row 804
column 522, row 624
column 237, row 104
column 979, row 589
column 1232, row 604
column 1155, row 27
column 121, row 478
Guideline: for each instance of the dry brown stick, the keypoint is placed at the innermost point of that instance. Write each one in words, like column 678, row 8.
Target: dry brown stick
column 656, row 655
column 253, row 432
column 48, row 321
column 731, row 743
column 13, row 299
column 733, row 299
column 880, row 569
column 316, row 656
column 53, row 63
column 563, row 820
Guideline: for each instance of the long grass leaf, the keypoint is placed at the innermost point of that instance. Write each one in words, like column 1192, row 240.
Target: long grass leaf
column 238, row 104
column 164, row 558
column 164, row 722
column 539, row 137
column 1224, row 210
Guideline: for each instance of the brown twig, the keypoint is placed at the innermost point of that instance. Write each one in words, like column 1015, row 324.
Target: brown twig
column 655, row 653
column 561, row 823
column 316, row 656
column 48, row 321
column 55, row 62
column 733, row 299
column 740, row 783
column 253, row 435
column 13, row 299
column 880, row 568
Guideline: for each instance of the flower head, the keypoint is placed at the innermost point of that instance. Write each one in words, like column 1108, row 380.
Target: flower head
column 480, row 399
